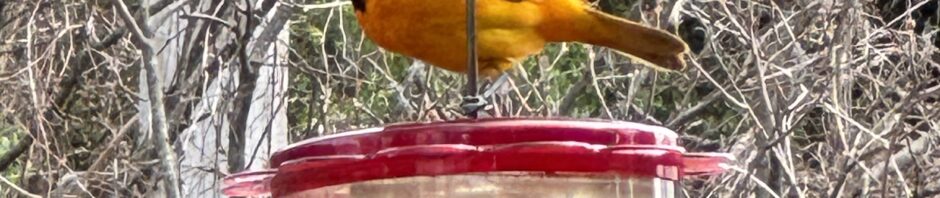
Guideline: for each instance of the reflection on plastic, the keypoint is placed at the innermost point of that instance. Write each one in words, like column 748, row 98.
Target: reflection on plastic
column 501, row 185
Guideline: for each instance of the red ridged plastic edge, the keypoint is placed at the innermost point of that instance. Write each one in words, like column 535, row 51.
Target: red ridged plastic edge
column 475, row 146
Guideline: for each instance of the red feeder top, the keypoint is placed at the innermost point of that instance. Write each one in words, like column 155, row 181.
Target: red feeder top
column 476, row 146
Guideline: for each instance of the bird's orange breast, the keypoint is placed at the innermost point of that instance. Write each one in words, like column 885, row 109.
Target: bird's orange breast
column 434, row 31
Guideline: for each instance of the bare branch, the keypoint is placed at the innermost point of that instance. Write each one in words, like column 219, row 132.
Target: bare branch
column 131, row 22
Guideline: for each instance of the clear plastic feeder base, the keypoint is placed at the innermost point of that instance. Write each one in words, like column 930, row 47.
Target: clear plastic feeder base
column 500, row 185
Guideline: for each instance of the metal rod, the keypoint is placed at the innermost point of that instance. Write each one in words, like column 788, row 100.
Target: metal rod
column 472, row 55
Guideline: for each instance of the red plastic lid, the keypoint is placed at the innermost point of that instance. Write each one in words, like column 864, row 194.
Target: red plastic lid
column 475, row 146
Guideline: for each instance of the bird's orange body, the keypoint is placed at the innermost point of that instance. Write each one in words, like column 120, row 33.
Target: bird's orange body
column 434, row 31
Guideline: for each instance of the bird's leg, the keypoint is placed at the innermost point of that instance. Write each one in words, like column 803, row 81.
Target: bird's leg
column 496, row 85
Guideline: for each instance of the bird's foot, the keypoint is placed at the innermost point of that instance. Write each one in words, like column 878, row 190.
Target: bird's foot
column 496, row 85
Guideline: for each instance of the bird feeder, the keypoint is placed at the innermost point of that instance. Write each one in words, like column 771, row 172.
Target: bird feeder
column 489, row 157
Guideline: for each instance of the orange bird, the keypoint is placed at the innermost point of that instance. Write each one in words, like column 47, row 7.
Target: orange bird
column 508, row 31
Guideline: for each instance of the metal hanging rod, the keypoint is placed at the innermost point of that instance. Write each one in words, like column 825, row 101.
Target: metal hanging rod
column 472, row 87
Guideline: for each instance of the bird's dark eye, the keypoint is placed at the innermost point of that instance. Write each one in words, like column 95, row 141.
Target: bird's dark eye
column 359, row 5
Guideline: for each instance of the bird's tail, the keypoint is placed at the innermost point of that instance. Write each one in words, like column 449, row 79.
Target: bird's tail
column 653, row 47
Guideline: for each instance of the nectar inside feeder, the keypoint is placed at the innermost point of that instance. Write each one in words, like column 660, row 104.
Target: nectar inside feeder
column 501, row 157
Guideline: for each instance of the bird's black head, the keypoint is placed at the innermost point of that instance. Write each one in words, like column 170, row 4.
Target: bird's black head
column 359, row 5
